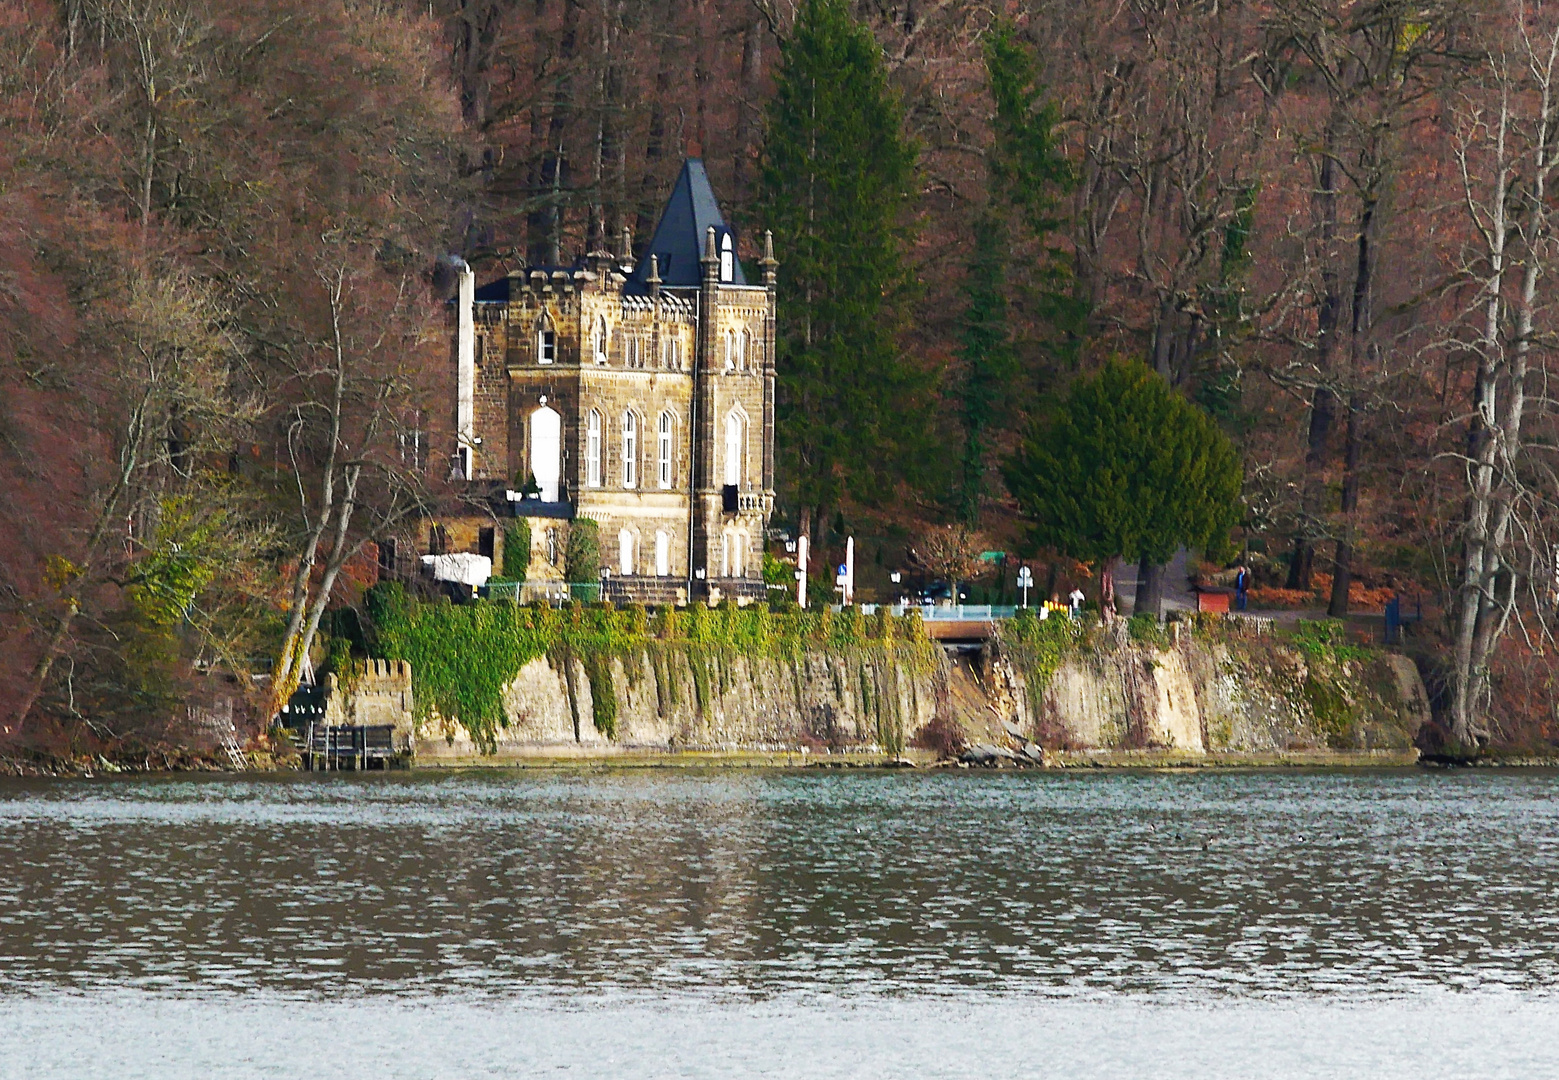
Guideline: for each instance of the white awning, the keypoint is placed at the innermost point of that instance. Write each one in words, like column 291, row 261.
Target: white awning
column 463, row 566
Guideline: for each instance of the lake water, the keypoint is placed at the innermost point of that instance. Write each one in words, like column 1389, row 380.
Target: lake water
column 738, row 923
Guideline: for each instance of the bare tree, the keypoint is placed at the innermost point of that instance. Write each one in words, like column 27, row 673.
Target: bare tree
column 344, row 405
column 1507, row 146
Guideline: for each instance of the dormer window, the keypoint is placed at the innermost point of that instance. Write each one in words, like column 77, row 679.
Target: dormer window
column 727, row 258
column 546, row 347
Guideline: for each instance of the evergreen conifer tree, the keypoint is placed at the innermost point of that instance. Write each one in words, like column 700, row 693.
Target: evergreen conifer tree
column 837, row 181
column 989, row 363
column 1027, row 176
column 1126, row 467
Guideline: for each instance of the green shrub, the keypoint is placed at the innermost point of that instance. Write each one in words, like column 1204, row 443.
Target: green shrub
column 1326, row 639
column 1147, row 630
column 582, row 560
column 516, row 549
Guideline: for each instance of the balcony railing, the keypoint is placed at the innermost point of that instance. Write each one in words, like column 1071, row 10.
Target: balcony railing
column 545, row 592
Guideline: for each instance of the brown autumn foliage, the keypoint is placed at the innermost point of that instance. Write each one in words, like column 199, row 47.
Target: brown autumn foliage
column 1283, row 205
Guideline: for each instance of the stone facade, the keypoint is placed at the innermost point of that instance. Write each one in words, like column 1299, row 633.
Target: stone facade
column 640, row 399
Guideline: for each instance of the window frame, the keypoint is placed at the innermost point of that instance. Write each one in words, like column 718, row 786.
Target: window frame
column 593, row 472
column 630, row 447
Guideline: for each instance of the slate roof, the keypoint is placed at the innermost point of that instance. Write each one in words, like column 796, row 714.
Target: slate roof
column 678, row 243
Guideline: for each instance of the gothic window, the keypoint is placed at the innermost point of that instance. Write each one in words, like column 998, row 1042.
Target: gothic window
column 411, row 439
column 600, row 340
column 734, row 449
column 743, row 347
column 662, row 554
column 552, row 547
column 546, row 341
column 730, row 351
column 546, row 451
column 727, row 258
column 663, row 450
column 593, row 449
column 630, row 449
column 625, row 552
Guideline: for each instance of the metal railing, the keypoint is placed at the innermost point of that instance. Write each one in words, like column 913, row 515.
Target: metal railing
column 545, row 592
column 950, row 612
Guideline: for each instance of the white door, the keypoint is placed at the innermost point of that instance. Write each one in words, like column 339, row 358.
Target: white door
column 546, row 451
column 663, row 554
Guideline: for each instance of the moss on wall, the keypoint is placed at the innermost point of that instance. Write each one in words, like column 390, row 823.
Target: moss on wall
column 463, row 656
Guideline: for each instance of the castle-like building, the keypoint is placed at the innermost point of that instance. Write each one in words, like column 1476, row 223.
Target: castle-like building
column 637, row 394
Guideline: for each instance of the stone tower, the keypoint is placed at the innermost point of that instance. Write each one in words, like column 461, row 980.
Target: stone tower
column 640, row 395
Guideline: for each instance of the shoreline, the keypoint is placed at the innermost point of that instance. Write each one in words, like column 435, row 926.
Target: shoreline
column 560, row 758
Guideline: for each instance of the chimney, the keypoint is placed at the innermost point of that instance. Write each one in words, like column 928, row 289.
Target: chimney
column 465, row 370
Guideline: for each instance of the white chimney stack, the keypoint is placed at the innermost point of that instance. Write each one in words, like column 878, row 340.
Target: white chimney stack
column 465, row 371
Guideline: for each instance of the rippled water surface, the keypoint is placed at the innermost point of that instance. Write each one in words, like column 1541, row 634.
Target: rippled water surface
column 593, row 909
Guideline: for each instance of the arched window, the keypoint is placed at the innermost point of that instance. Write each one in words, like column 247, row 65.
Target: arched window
column 593, row 449
column 625, row 552
column 662, row 554
column 630, row 449
column 663, row 450
column 743, row 348
column 546, row 342
column 730, row 350
column 546, row 451
column 735, row 449
column 727, row 259
column 600, row 340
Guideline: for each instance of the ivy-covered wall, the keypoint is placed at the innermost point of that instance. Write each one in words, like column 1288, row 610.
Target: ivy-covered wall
column 495, row 679
column 494, row 676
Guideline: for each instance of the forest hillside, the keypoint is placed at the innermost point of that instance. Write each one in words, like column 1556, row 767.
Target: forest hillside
column 226, row 229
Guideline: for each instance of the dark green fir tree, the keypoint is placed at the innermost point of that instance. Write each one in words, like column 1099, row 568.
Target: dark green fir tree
column 836, row 188
column 1015, row 251
column 1125, row 467
column 987, row 358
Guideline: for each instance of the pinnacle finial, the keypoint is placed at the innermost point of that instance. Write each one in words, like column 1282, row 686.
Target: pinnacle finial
column 768, row 262
column 654, row 279
column 625, row 244
column 709, row 245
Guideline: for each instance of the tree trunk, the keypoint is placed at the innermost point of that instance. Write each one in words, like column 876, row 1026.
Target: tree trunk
column 1150, row 589
column 1322, row 400
column 1342, row 563
column 748, row 108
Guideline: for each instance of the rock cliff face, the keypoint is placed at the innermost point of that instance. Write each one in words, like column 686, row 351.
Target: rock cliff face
column 679, row 699
column 1189, row 695
column 1231, row 693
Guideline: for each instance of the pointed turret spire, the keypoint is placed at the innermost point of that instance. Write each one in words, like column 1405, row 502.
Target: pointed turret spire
column 681, row 234
column 653, row 281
